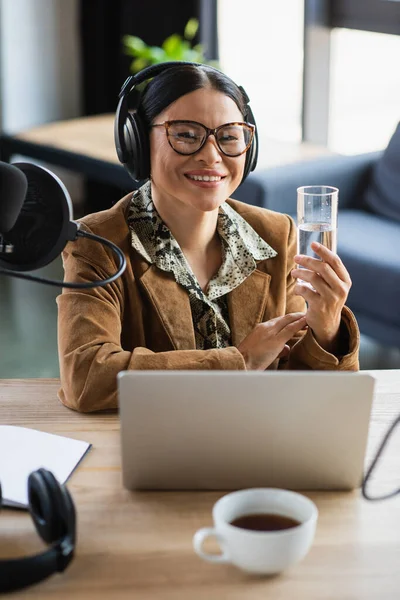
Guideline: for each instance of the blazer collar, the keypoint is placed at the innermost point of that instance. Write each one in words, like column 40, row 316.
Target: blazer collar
column 246, row 305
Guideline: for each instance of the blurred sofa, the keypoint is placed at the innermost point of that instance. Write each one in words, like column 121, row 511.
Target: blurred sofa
column 368, row 225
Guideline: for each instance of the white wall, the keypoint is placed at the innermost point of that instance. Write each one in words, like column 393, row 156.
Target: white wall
column 39, row 62
column 40, row 77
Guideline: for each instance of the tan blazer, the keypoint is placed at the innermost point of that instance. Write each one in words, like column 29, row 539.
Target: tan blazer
column 143, row 319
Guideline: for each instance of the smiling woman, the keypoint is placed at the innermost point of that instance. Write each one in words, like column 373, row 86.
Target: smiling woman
column 211, row 282
column 182, row 178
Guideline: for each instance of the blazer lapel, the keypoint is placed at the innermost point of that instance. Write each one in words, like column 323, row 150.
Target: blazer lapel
column 246, row 305
column 172, row 304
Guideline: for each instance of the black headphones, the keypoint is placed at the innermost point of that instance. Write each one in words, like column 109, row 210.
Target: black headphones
column 131, row 133
column 53, row 513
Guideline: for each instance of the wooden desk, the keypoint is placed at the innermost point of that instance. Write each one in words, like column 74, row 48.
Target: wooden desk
column 139, row 545
column 86, row 145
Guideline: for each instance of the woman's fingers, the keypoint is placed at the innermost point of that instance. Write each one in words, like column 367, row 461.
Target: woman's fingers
column 322, row 277
column 329, row 264
column 292, row 325
column 319, row 284
column 318, row 267
column 307, row 293
column 285, row 352
column 281, row 323
column 333, row 260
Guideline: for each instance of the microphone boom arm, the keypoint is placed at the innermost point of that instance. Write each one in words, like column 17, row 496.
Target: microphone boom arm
column 77, row 285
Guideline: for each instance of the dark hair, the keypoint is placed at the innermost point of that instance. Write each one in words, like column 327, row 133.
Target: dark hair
column 177, row 81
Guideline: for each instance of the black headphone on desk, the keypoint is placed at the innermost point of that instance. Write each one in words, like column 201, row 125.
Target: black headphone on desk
column 53, row 513
column 131, row 132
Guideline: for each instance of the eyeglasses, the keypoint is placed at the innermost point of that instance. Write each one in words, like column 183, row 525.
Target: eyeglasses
column 188, row 137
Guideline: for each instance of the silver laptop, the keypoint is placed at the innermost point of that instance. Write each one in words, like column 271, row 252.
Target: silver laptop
column 223, row 430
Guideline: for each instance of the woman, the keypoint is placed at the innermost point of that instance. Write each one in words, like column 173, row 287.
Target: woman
column 211, row 283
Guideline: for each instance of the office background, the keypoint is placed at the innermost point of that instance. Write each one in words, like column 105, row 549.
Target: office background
column 317, row 71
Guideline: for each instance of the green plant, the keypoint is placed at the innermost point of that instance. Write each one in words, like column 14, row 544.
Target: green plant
column 174, row 47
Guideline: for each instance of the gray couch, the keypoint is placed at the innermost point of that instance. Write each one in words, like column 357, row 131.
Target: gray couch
column 368, row 242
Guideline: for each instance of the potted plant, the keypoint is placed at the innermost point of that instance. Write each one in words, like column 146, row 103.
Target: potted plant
column 174, row 47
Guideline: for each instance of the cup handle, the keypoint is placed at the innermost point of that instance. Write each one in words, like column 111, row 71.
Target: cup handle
column 198, row 541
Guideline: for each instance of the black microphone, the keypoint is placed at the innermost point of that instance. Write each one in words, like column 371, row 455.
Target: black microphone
column 13, row 186
column 35, row 234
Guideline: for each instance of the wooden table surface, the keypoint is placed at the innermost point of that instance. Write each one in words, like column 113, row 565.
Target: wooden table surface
column 92, row 136
column 139, row 544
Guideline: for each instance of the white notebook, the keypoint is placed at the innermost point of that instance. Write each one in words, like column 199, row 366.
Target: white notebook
column 24, row 450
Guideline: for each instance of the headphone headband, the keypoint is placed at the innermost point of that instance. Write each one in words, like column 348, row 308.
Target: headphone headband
column 149, row 72
column 131, row 132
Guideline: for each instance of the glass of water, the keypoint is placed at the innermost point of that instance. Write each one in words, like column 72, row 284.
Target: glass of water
column 317, row 207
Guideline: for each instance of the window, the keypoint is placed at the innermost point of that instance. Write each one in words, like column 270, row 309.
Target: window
column 364, row 90
column 261, row 48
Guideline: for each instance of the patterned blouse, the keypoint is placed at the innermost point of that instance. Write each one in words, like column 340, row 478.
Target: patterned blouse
column 241, row 248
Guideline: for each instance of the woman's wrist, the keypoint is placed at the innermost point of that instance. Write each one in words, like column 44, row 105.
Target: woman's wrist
column 329, row 341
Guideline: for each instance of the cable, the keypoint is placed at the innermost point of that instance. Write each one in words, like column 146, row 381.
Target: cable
column 373, row 464
column 79, row 286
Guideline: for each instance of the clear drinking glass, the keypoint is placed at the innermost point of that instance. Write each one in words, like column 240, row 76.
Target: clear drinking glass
column 317, row 207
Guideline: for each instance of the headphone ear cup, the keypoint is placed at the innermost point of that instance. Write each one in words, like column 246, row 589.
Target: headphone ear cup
column 138, row 147
column 254, row 149
column 252, row 152
column 251, row 157
column 51, row 507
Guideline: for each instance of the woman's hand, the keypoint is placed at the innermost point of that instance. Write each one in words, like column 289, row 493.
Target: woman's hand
column 267, row 341
column 331, row 282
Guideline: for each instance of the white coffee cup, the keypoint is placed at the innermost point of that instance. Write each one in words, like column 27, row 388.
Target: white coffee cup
column 263, row 552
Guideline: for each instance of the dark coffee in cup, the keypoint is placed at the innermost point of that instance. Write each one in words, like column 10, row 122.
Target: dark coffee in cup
column 265, row 522
column 260, row 530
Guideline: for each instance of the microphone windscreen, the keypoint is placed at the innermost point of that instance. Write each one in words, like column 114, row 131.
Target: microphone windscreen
column 44, row 224
column 13, row 186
